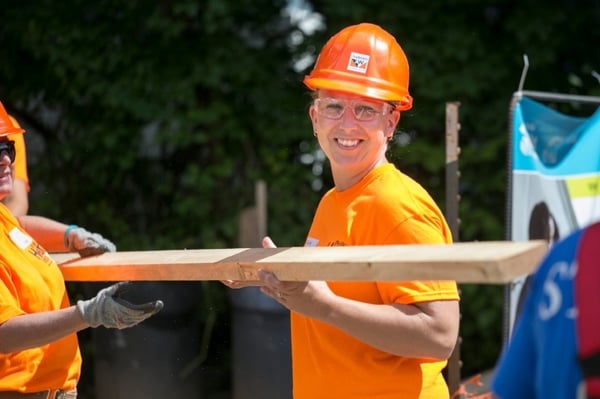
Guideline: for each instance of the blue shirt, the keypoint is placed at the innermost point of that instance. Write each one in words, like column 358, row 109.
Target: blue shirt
column 541, row 358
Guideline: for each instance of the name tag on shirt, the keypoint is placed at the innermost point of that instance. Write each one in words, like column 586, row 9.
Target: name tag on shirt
column 21, row 239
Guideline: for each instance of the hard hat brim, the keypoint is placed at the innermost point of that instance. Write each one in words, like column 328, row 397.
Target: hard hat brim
column 8, row 132
column 402, row 104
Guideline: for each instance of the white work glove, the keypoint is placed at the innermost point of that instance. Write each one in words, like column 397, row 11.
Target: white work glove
column 78, row 239
column 109, row 310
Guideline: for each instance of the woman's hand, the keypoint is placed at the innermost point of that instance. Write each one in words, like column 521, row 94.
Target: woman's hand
column 310, row 298
column 236, row 284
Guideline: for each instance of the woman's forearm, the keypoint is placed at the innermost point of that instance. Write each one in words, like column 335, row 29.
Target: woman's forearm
column 38, row 329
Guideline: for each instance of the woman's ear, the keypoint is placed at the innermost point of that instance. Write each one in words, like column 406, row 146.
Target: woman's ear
column 391, row 123
column 312, row 113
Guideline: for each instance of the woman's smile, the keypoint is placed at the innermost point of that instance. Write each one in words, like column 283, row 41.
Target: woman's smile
column 348, row 143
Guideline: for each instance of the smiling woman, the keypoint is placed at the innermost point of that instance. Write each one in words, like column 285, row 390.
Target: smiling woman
column 384, row 339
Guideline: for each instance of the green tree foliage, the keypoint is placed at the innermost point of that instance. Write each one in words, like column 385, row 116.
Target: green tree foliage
column 157, row 118
column 168, row 113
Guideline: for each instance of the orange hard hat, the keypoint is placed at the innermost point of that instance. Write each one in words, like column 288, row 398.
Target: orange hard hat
column 6, row 124
column 366, row 60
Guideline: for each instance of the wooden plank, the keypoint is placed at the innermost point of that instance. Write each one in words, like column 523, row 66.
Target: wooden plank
column 492, row 262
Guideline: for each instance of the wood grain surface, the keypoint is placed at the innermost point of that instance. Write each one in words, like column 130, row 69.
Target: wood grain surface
column 492, row 262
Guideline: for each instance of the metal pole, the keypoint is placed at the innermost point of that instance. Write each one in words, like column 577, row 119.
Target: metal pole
column 545, row 96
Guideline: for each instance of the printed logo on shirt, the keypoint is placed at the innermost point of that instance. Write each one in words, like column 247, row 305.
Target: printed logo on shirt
column 560, row 273
column 311, row 242
column 39, row 252
column 358, row 62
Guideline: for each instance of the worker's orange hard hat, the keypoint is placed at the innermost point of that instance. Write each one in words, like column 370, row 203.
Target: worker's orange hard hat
column 6, row 124
column 366, row 60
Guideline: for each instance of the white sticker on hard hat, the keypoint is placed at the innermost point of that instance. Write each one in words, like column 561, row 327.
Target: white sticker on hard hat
column 358, row 62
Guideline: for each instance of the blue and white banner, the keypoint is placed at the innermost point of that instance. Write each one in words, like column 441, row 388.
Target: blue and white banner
column 555, row 175
column 556, row 161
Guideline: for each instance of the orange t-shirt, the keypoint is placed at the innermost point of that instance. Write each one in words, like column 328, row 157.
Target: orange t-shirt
column 385, row 207
column 31, row 282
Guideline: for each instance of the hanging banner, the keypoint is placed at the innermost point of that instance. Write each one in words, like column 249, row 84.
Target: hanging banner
column 555, row 176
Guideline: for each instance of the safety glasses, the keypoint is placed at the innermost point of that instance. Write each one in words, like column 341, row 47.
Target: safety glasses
column 8, row 146
column 363, row 110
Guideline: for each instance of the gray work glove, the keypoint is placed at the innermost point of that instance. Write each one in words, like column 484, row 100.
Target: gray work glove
column 78, row 239
column 109, row 310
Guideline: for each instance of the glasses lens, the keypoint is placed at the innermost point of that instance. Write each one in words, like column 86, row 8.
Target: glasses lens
column 330, row 107
column 8, row 146
column 363, row 110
